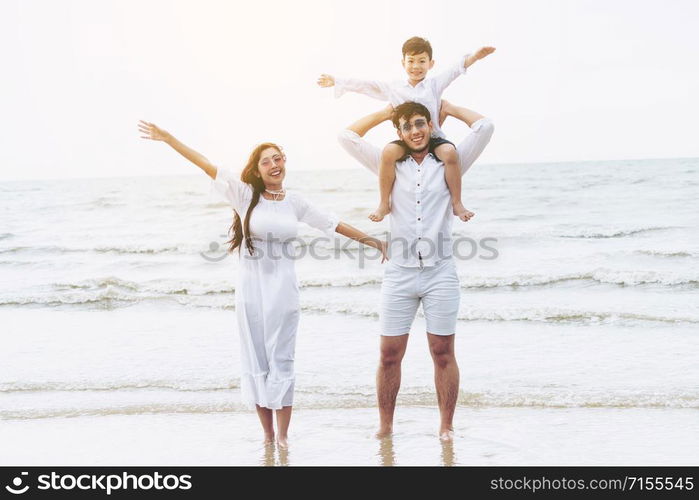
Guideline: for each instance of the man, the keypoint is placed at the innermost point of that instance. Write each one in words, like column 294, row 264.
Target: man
column 421, row 268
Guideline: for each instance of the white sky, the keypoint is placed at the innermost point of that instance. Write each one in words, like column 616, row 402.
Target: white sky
column 571, row 80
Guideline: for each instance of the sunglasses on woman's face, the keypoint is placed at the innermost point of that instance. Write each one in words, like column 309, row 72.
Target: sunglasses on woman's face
column 276, row 160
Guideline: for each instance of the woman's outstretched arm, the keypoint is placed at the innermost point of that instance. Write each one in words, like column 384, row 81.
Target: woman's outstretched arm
column 154, row 133
column 355, row 234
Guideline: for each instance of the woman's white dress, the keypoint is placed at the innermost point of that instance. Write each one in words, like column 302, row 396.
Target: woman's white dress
column 267, row 292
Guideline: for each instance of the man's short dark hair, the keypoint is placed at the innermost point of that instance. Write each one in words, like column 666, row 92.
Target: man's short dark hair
column 417, row 45
column 407, row 110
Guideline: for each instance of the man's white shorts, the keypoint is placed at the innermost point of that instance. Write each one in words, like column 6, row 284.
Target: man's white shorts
column 403, row 288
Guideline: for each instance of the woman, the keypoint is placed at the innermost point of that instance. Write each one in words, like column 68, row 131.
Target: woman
column 267, row 293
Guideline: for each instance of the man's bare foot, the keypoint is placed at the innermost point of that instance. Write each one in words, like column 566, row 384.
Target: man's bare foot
column 283, row 443
column 461, row 212
column 383, row 433
column 381, row 212
column 446, row 435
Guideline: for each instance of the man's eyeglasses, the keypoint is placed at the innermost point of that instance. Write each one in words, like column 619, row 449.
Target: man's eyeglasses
column 267, row 162
column 419, row 124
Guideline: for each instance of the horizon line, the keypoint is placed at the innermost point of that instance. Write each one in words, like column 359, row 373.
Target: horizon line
column 548, row 162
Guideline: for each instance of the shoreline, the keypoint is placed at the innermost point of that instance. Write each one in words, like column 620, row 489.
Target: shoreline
column 493, row 436
column 169, row 359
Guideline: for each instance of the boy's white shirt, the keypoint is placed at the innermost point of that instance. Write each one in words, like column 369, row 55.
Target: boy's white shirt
column 428, row 92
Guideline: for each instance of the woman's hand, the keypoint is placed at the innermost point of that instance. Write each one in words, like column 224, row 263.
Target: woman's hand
column 355, row 234
column 383, row 246
column 152, row 131
column 326, row 80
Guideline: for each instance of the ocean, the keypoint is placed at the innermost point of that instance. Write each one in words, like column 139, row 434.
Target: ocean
column 577, row 339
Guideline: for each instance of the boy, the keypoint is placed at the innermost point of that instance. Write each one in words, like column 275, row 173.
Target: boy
column 417, row 61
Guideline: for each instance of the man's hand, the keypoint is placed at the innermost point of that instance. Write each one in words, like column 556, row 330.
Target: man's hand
column 387, row 112
column 479, row 54
column 326, row 80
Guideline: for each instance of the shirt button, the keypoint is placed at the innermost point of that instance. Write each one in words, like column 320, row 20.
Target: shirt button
column 418, row 201
column 418, row 183
column 418, row 218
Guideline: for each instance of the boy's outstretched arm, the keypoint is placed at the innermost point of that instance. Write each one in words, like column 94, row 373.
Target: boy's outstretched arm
column 372, row 88
column 478, row 55
column 444, row 79
column 325, row 80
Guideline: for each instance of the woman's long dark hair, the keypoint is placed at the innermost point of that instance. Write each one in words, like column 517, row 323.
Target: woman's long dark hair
column 251, row 176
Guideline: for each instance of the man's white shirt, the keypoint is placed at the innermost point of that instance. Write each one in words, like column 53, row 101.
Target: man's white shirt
column 421, row 212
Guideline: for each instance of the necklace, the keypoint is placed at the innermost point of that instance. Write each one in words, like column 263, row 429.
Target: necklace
column 276, row 194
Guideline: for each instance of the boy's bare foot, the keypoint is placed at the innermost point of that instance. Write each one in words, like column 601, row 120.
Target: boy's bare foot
column 461, row 212
column 381, row 212
column 283, row 443
column 269, row 439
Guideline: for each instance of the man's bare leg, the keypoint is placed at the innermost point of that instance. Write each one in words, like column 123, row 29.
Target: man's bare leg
column 452, row 174
column 446, row 381
column 387, row 176
column 388, row 380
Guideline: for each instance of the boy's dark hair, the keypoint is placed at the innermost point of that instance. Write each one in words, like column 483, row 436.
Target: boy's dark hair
column 407, row 110
column 417, row 45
